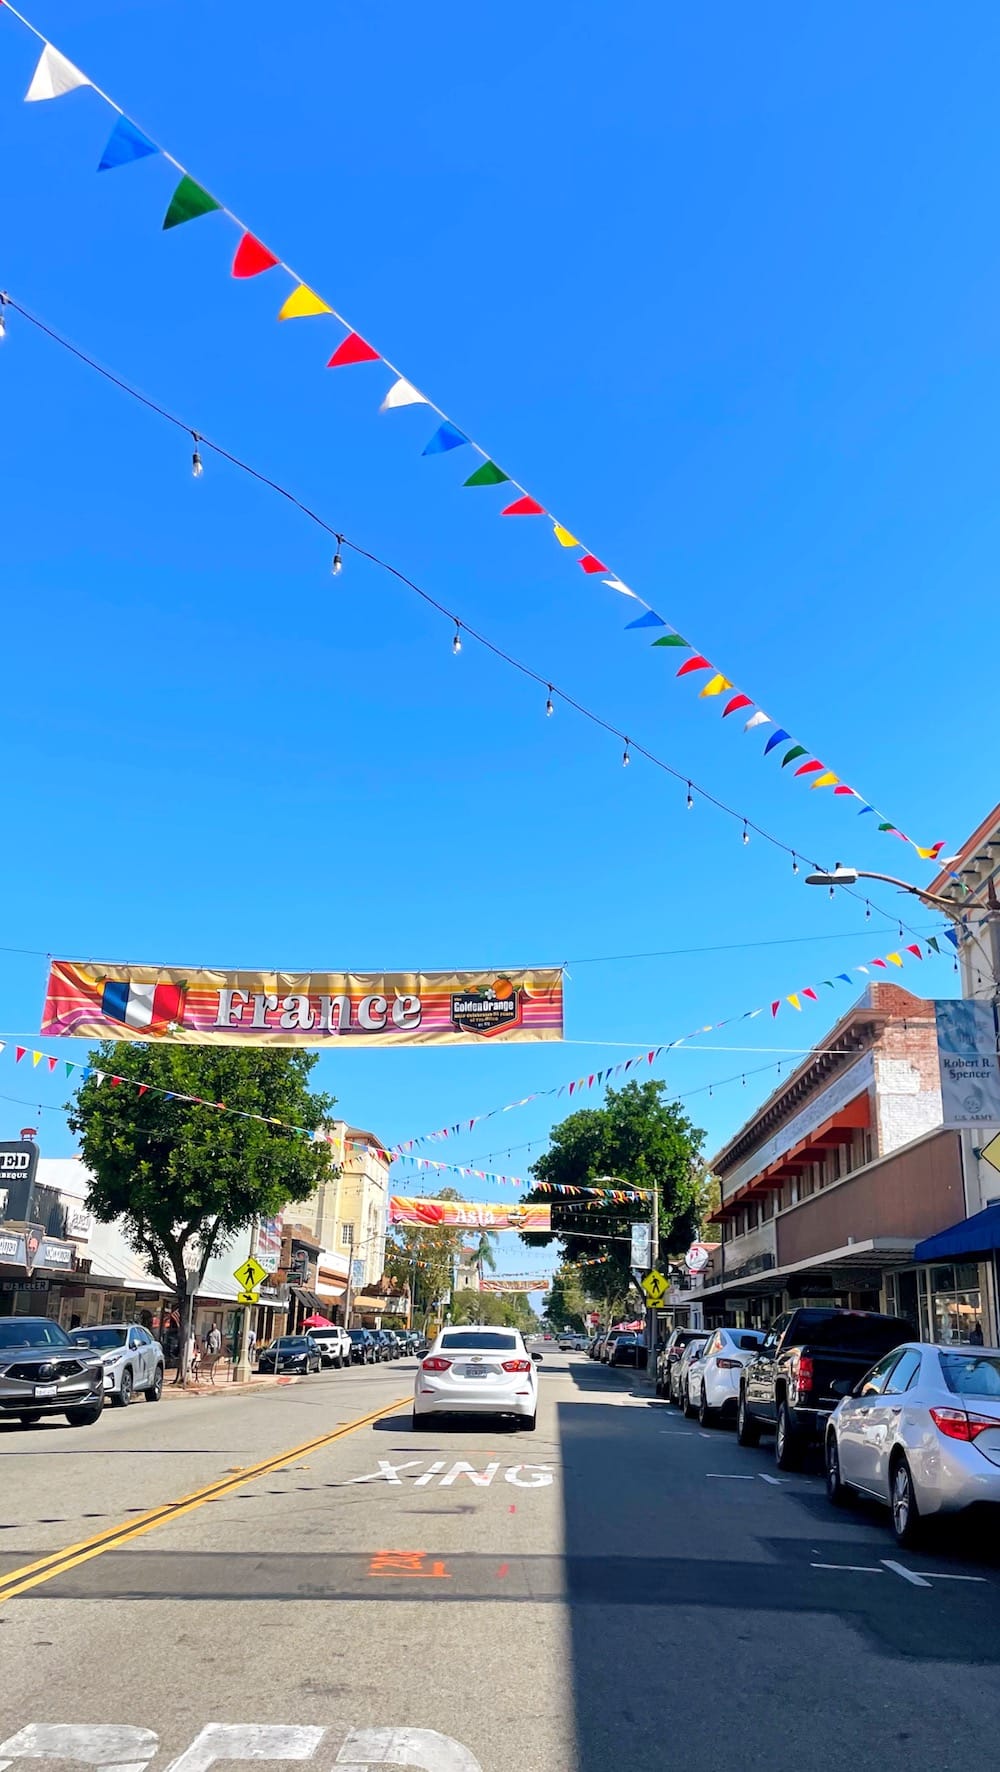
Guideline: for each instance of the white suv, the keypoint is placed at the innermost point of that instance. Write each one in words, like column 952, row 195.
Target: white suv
column 334, row 1344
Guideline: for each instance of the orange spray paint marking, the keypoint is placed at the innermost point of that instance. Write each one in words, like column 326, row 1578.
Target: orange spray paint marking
column 409, row 1564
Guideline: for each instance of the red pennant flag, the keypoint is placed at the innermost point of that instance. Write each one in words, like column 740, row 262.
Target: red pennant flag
column 652, row 1055
column 697, row 663
column 115, row 1082
column 143, row 1087
column 808, row 768
column 52, row 1063
column 572, row 1087
column 809, row 992
column 738, row 701
column 353, row 350
column 19, row 1052
column 252, row 258
column 775, row 1007
column 591, row 563
column 879, row 963
column 913, row 948
column 843, row 790
column 524, row 507
column 590, row 1081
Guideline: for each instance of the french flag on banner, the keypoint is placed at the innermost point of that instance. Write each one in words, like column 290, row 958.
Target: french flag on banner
column 142, row 1005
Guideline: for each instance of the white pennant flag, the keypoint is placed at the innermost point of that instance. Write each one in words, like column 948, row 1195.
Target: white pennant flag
column 757, row 719
column 402, row 393
column 616, row 585
column 54, row 76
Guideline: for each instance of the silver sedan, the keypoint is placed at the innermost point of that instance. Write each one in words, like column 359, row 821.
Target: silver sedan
column 921, row 1433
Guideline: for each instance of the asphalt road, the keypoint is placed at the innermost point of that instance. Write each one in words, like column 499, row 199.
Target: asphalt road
column 255, row 1578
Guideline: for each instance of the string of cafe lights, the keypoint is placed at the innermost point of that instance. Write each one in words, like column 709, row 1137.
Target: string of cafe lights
column 632, row 747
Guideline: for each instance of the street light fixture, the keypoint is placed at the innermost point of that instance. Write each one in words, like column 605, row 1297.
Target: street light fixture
column 841, row 876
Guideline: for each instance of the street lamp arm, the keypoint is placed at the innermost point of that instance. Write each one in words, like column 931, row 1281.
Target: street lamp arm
column 933, row 899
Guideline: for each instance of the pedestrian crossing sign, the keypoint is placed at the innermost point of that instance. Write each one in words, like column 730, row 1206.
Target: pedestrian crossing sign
column 656, row 1287
column 991, row 1151
column 247, row 1297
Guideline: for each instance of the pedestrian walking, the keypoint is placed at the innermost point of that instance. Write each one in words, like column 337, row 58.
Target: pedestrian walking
column 251, row 1343
column 213, row 1348
column 194, row 1357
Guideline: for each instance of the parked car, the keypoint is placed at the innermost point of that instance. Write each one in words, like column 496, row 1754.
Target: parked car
column 291, row 1353
column 921, row 1433
column 795, row 1379
column 670, row 1353
column 713, row 1376
column 679, row 1371
column 477, row 1371
column 571, row 1343
column 629, row 1349
column 596, row 1346
column 362, row 1347
column 43, row 1372
column 334, row 1344
column 132, row 1360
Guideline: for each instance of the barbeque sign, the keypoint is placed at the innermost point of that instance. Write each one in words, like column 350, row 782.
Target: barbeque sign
column 302, row 1009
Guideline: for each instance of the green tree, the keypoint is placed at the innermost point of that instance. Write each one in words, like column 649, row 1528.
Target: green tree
column 565, row 1304
column 637, row 1137
column 185, row 1179
column 484, row 1253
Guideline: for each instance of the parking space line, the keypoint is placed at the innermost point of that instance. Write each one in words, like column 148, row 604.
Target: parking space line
column 729, row 1476
column 849, row 1568
column 766, row 1479
column 905, row 1574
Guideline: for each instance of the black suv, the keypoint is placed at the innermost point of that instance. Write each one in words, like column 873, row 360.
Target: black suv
column 670, row 1353
column 363, row 1350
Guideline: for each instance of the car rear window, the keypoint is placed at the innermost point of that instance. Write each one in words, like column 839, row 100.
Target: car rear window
column 867, row 1334
column 971, row 1375
column 491, row 1340
column 748, row 1339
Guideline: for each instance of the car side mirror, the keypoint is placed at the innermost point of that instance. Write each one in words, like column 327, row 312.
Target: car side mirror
column 538, row 1358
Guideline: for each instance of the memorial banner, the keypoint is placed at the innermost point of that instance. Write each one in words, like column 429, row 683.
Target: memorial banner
column 967, row 1056
column 468, row 1214
column 514, row 1285
column 302, row 1009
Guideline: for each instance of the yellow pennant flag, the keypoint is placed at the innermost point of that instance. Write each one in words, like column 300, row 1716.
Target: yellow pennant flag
column 563, row 537
column 826, row 780
column 794, row 1001
column 36, row 1058
column 715, row 685
column 897, row 959
column 302, row 302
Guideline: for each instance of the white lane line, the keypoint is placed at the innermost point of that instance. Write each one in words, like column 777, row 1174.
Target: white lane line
column 905, row 1574
column 850, row 1568
column 728, row 1477
column 706, row 1436
column 933, row 1575
column 765, row 1479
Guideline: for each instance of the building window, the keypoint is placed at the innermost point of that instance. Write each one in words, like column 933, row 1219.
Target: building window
column 347, row 1235
column 956, row 1302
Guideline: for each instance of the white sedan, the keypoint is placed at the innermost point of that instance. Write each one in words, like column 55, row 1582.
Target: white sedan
column 921, row 1433
column 477, row 1372
column 713, row 1377
column 132, row 1360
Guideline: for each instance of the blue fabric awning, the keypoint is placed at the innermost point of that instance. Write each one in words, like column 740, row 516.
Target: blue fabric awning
column 978, row 1235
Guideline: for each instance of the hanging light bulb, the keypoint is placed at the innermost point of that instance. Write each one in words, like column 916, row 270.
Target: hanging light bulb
column 197, row 467
column 690, row 799
column 456, row 644
column 626, row 759
column 549, row 709
column 746, row 833
column 868, row 912
column 3, row 317
column 795, row 863
column 337, row 565
column 833, row 893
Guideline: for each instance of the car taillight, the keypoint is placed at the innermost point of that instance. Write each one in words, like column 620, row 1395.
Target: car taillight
column 517, row 1365
column 729, row 1365
column 435, row 1364
column 958, row 1424
column 804, row 1373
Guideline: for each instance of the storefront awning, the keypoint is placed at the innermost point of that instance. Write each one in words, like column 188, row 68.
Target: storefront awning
column 309, row 1299
column 978, row 1235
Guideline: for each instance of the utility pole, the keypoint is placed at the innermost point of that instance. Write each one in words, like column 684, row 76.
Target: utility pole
column 654, row 1256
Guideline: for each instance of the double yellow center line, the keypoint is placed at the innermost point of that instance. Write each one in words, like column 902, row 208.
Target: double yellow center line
column 18, row 1581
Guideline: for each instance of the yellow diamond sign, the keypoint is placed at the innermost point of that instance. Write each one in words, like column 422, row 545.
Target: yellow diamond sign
column 656, row 1287
column 249, row 1274
column 991, row 1151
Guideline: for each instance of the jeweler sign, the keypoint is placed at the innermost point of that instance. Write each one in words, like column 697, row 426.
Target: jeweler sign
column 302, row 1009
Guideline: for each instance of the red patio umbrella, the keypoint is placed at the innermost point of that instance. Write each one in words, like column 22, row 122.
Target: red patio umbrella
column 317, row 1322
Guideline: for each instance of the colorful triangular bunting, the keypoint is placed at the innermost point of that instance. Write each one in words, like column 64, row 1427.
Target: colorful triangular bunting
column 447, row 436
column 252, row 257
column 302, row 303
column 487, row 475
column 591, row 563
column 188, row 201
column 402, row 393
column 125, row 144
column 649, row 619
column 524, row 507
column 54, row 76
column 352, row 350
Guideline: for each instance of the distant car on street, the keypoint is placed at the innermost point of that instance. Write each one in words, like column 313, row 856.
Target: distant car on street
column 920, row 1433
column 385, row 1344
column 291, row 1353
column 362, row 1347
column 713, row 1377
column 679, row 1371
column 670, row 1353
column 629, row 1349
column 43, row 1372
column 132, row 1360
column 334, row 1344
column 571, row 1343
column 477, row 1371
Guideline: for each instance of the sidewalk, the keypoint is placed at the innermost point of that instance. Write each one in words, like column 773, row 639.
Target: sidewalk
column 224, row 1386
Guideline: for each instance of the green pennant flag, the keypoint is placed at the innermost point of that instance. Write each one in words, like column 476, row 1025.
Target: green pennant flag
column 70, row 1065
column 797, row 750
column 488, row 475
column 932, row 942
column 671, row 640
column 187, row 202
column 887, row 826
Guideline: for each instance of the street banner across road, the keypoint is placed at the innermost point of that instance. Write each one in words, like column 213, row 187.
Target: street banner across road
column 468, row 1214
column 302, row 1009
column 514, row 1285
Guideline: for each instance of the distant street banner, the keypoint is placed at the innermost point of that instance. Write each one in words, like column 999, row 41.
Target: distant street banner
column 514, row 1286
column 302, row 1009
column 468, row 1214
column 967, row 1056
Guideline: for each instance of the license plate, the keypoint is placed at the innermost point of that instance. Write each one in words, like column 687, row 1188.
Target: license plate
column 476, row 1372
column 46, row 1390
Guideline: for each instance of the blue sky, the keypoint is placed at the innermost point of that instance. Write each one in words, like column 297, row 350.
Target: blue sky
column 721, row 288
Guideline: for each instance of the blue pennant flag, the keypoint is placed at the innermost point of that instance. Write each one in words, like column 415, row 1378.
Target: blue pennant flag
column 846, row 977
column 778, row 737
column 125, row 144
column 447, row 436
column 950, row 933
column 649, row 620
column 865, row 809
